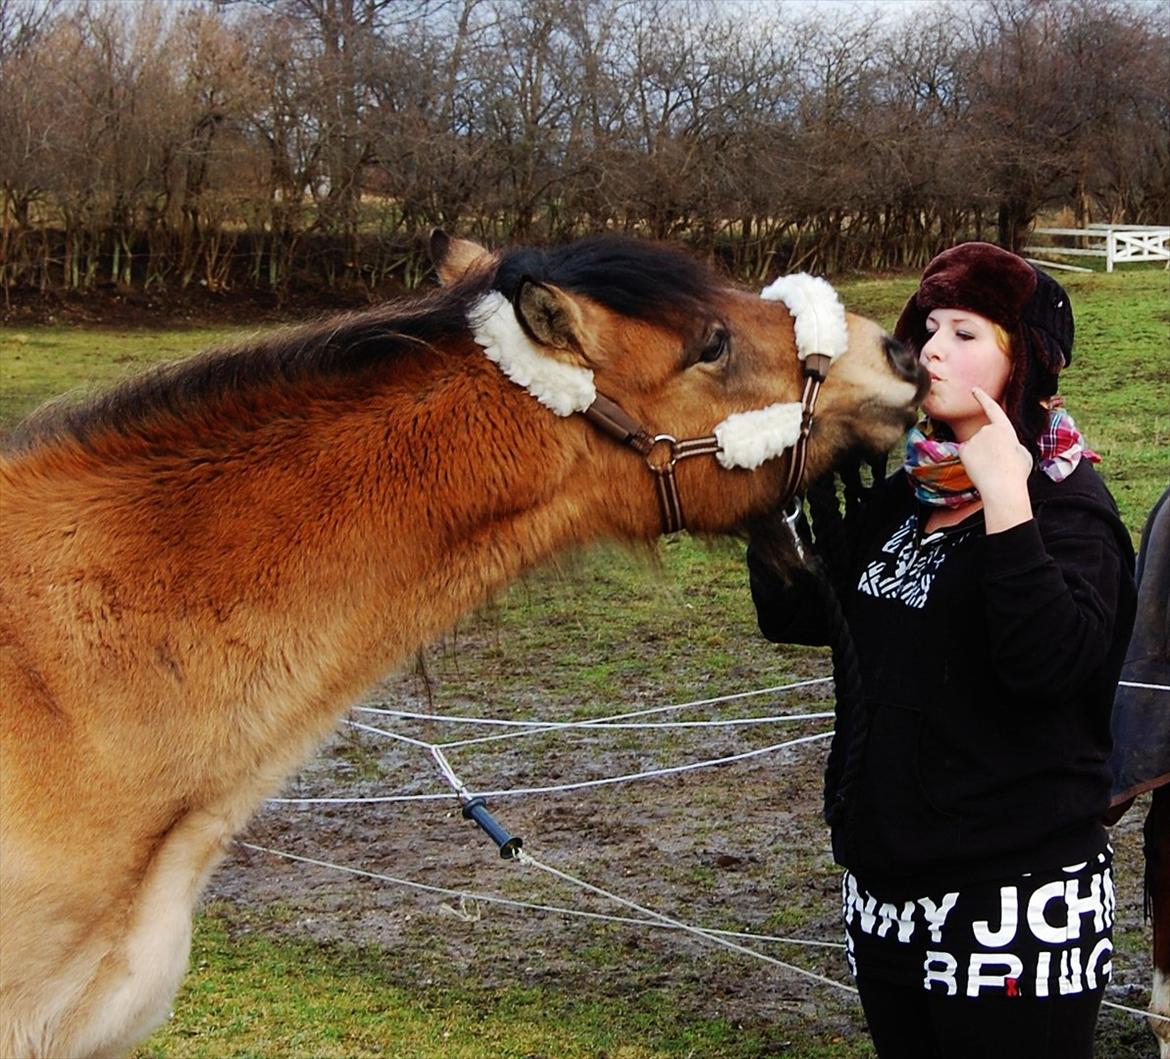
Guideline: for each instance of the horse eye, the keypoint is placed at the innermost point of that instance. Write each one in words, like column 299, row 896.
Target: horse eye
column 715, row 347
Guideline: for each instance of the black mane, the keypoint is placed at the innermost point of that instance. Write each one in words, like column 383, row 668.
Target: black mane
column 646, row 281
column 632, row 277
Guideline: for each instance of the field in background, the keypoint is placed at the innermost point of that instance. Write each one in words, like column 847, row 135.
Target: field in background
column 291, row 961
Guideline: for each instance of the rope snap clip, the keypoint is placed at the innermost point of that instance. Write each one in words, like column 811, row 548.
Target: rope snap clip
column 791, row 518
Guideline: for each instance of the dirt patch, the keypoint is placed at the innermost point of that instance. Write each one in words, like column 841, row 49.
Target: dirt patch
column 116, row 307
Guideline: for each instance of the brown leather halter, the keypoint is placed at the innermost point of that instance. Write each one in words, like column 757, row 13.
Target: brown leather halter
column 663, row 451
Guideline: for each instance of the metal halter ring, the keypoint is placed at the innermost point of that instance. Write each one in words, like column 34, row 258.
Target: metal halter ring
column 671, row 443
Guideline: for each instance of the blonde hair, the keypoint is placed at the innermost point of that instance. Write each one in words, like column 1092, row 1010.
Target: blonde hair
column 1002, row 338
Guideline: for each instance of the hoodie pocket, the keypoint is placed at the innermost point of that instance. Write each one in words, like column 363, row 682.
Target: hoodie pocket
column 935, row 770
column 899, row 825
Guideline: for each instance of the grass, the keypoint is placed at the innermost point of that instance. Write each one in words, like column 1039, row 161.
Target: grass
column 291, row 998
column 41, row 362
column 256, row 989
column 338, row 1001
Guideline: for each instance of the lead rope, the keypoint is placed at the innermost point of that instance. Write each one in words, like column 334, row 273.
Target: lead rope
column 511, row 848
column 778, row 549
column 853, row 712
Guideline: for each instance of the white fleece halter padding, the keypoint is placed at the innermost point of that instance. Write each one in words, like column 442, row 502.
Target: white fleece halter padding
column 747, row 439
column 817, row 311
column 562, row 388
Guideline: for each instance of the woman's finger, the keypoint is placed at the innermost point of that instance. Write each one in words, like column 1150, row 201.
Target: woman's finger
column 990, row 406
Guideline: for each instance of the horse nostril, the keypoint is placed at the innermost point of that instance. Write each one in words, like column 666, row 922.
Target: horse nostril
column 901, row 358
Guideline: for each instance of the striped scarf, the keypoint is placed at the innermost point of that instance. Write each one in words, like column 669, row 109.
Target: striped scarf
column 940, row 479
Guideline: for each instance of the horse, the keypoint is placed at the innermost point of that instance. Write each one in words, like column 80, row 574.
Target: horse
column 201, row 569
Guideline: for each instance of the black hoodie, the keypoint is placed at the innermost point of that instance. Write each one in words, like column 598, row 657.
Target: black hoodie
column 989, row 665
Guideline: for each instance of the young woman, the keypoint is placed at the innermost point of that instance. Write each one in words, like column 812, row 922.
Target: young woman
column 990, row 603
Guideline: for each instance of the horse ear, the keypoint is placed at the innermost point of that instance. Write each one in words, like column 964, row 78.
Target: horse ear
column 551, row 318
column 455, row 258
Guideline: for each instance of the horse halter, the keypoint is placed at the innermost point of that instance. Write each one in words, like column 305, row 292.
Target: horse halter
column 742, row 440
column 663, row 451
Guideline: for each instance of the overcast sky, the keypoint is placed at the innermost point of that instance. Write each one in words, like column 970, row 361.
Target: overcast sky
column 889, row 8
column 893, row 9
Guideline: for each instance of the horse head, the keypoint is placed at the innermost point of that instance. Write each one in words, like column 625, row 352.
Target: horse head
column 608, row 322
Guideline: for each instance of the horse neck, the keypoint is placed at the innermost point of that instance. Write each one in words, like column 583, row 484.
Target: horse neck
column 248, row 598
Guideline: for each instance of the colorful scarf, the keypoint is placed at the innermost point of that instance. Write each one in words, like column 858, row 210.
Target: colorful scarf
column 941, row 480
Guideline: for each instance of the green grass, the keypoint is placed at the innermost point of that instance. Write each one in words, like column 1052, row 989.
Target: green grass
column 270, row 998
column 41, row 362
column 1119, row 383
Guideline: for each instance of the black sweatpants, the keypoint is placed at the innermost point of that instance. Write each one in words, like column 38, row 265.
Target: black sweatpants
column 910, row 1023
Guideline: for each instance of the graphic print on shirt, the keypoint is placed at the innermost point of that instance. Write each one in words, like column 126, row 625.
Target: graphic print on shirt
column 1045, row 935
column 906, row 567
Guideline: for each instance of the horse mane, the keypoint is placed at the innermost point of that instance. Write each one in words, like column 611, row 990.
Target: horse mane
column 634, row 278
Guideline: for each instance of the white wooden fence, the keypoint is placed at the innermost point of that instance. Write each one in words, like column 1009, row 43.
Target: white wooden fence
column 1114, row 242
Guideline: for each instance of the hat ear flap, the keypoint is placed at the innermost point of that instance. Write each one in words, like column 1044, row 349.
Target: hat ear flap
column 911, row 325
column 1048, row 356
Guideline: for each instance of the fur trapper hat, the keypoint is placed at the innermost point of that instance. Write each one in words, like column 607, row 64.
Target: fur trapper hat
column 1001, row 286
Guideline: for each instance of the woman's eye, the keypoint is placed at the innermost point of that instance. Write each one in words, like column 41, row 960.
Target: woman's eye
column 714, row 349
column 966, row 336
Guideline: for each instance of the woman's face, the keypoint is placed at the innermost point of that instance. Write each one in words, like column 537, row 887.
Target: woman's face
column 961, row 352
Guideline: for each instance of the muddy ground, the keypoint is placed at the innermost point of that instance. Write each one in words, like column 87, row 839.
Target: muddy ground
column 738, row 847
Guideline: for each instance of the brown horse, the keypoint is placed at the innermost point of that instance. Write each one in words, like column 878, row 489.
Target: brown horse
column 202, row 569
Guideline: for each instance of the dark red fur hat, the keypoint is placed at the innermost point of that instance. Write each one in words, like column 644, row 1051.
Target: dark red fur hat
column 1001, row 286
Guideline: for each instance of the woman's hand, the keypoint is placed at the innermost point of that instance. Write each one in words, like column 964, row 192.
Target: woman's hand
column 998, row 466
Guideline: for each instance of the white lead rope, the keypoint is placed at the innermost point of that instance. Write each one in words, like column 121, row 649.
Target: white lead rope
column 460, row 788
column 1136, row 1011
column 492, row 899
column 651, row 919
column 730, row 722
column 648, row 916
column 456, row 784
column 710, row 936
column 542, row 726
